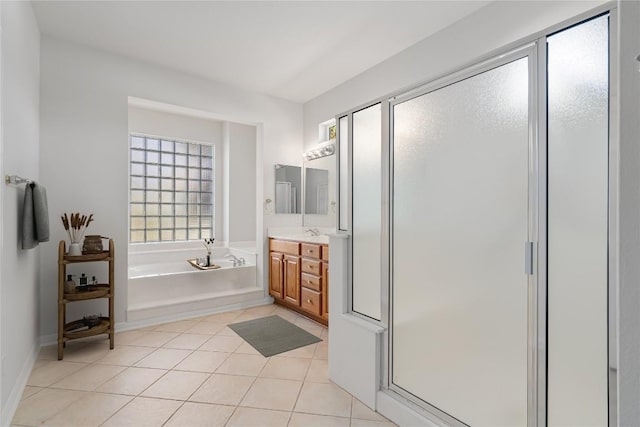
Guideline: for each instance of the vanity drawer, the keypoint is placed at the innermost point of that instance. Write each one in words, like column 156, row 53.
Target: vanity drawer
column 312, row 282
column 311, row 251
column 325, row 253
column 311, row 301
column 311, row 266
column 291, row 248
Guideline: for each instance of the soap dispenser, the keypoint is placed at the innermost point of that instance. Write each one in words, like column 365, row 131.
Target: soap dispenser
column 70, row 285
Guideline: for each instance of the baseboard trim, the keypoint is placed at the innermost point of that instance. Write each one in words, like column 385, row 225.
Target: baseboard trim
column 52, row 339
column 13, row 400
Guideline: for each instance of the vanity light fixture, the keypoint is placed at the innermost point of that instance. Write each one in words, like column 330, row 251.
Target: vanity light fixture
column 321, row 151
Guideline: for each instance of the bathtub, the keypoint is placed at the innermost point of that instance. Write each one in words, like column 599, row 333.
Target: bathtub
column 162, row 284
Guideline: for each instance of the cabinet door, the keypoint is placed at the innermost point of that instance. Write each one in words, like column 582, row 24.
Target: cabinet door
column 276, row 275
column 292, row 279
column 325, row 290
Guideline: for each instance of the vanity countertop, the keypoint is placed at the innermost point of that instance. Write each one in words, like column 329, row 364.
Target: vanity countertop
column 322, row 239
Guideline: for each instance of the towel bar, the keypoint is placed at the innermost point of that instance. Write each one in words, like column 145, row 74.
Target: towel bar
column 15, row 179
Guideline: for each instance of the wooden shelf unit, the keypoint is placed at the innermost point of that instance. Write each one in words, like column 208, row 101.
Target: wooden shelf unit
column 77, row 329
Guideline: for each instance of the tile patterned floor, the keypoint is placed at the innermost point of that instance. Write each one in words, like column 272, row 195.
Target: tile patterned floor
column 190, row 373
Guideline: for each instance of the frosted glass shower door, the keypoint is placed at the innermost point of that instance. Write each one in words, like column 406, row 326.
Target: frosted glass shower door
column 578, row 135
column 459, row 227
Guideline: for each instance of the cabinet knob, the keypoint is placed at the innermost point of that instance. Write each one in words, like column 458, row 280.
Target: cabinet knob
column 309, row 301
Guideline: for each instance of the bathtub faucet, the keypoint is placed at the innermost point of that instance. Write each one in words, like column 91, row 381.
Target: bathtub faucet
column 236, row 261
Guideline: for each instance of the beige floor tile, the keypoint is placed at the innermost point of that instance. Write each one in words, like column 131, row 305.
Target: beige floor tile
column 179, row 326
column 368, row 423
column 53, row 371
column 30, row 391
column 318, row 371
column 132, row 381
column 154, row 338
column 125, row 355
column 227, row 332
column 39, row 363
column 200, row 415
column 324, row 399
column 289, row 315
column 206, row 328
column 249, row 417
column 224, row 318
column 265, row 310
column 309, row 326
column 147, row 328
column 33, row 410
column 242, row 364
column 307, row 420
column 222, row 343
column 322, row 351
column 176, row 385
column 129, row 337
column 49, row 352
column 91, row 410
column 286, row 368
column 325, row 333
column 187, row 341
column 89, row 377
column 249, row 316
column 305, row 352
column 223, row 389
column 363, row 412
column 87, row 352
column 246, row 348
column 270, row 393
column 163, row 358
column 144, row 411
column 202, row 361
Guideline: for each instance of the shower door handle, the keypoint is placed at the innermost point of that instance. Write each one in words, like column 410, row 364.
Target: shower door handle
column 528, row 258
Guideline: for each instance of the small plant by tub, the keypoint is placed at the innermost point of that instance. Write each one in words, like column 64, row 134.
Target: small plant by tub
column 208, row 243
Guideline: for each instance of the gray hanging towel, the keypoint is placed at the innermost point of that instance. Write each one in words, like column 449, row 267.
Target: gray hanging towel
column 35, row 216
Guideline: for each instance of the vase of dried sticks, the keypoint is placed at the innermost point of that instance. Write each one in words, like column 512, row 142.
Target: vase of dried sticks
column 76, row 225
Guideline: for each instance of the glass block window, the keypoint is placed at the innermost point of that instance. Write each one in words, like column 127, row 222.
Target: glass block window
column 171, row 185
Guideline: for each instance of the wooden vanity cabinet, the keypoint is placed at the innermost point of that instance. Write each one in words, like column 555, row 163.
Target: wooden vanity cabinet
column 298, row 277
column 325, row 289
column 292, row 279
column 276, row 274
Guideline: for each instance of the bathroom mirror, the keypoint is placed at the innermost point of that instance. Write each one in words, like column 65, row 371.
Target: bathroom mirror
column 288, row 189
column 316, row 191
column 320, row 192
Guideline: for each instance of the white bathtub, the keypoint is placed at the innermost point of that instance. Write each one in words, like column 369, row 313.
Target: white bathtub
column 172, row 268
column 163, row 284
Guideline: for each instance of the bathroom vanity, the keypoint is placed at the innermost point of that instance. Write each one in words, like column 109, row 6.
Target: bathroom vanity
column 299, row 276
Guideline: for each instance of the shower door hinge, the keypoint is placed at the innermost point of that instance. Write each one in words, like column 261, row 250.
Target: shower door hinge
column 528, row 258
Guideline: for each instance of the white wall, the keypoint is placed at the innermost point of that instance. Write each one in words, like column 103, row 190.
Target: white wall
column 240, row 182
column 492, row 27
column 84, row 95
column 20, row 139
column 161, row 123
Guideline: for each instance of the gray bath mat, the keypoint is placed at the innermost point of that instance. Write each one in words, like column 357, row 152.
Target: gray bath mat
column 273, row 335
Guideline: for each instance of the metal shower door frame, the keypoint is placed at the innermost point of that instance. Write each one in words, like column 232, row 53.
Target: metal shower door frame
column 536, row 291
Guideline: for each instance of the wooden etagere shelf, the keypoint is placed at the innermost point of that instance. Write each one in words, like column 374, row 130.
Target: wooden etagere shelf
column 77, row 329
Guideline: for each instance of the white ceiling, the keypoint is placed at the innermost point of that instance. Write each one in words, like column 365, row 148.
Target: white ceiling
column 295, row 50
